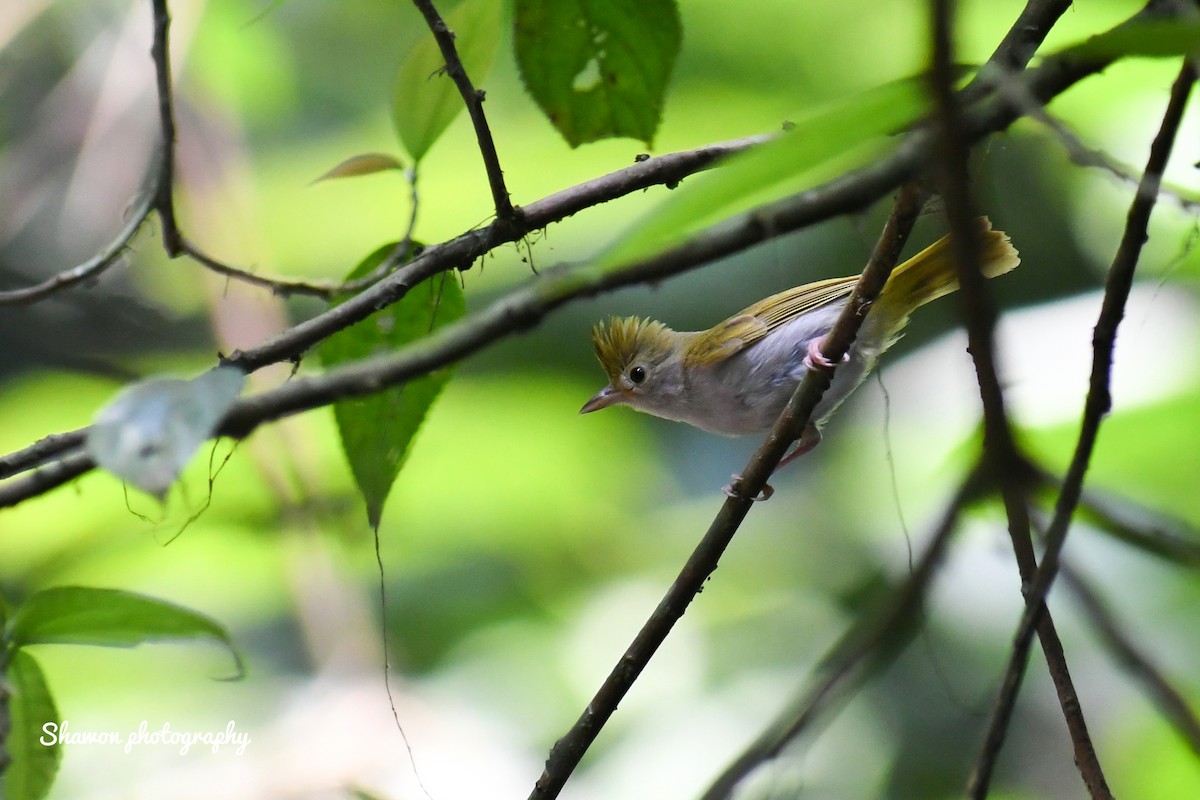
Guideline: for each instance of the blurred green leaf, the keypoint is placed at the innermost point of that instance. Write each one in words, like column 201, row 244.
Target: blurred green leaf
column 109, row 618
column 1159, row 38
column 770, row 170
column 377, row 431
column 364, row 164
column 425, row 100
column 30, row 706
column 598, row 68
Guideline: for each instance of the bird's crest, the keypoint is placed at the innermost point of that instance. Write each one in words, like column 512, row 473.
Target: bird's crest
column 622, row 340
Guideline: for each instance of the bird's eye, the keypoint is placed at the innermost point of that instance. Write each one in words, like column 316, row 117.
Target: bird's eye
column 637, row 374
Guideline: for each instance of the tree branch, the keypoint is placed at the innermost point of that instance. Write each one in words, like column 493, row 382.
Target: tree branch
column 1170, row 701
column 90, row 269
column 473, row 99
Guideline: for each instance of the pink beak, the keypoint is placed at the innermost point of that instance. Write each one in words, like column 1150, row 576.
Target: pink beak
column 604, row 398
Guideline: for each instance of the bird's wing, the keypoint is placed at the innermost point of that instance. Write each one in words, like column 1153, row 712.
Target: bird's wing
column 749, row 326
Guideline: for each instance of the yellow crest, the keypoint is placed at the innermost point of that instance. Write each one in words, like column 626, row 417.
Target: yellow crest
column 622, row 340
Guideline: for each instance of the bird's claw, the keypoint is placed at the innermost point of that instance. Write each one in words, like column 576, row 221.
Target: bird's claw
column 815, row 359
column 732, row 490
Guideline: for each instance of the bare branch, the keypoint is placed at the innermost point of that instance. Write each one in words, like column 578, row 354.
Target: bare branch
column 473, row 98
column 1079, row 152
column 90, row 269
column 1150, row 531
column 40, row 452
column 461, row 252
column 1023, row 39
column 164, row 203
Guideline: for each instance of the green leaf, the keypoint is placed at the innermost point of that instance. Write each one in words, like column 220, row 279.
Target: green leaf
column 30, row 706
column 109, row 618
column 377, row 431
column 598, row 68
column 1155, row 38
column 774, row 169
column 425, row 100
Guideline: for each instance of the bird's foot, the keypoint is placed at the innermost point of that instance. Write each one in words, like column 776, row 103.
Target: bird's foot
column 733, row 489
column 815, row 359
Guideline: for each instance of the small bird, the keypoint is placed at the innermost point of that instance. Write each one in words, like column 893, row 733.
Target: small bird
column 736, row 377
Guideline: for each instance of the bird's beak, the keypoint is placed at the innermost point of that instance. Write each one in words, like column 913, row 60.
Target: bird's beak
column 604, row 398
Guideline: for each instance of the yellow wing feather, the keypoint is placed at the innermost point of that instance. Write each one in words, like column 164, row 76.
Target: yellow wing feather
column 753, row 323
column 926, row 276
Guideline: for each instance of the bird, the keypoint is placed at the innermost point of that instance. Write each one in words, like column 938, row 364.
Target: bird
column 736, row 377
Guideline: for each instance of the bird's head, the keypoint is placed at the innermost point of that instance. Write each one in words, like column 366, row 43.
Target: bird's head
column 642, row 359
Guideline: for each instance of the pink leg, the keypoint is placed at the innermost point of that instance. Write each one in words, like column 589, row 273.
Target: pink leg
column 808, row 440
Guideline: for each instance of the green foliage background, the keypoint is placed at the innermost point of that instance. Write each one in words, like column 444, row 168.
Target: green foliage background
column 524, row 545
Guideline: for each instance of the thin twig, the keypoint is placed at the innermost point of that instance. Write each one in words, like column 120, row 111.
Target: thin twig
column 473, row 98
column 46, row 477
column 1099, row 400
column 461, row 251
column 1080, row 153
column 1149, row 530
column 40, row 452
column 1170, row 701
column 90, row 269
column 1018, row 46
column 164, row 203
column 876, row 635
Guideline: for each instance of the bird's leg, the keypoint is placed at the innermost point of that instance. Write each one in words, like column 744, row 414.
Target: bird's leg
column 814, row 359
column 808, row 440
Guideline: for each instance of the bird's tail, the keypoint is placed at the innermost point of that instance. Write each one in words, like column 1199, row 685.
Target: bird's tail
column 930, row 274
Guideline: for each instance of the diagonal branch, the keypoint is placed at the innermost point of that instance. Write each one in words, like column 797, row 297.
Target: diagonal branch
column 1170, row 701
column 90, row 269
column 506, row 213
column 1152, row 531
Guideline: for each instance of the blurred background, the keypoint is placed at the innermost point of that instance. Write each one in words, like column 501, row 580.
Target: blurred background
column 523, row 545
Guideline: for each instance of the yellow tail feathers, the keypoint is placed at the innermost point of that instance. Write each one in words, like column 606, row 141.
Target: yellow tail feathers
column 930, row 274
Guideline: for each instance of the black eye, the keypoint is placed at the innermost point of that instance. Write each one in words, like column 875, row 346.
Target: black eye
column 637, row 374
